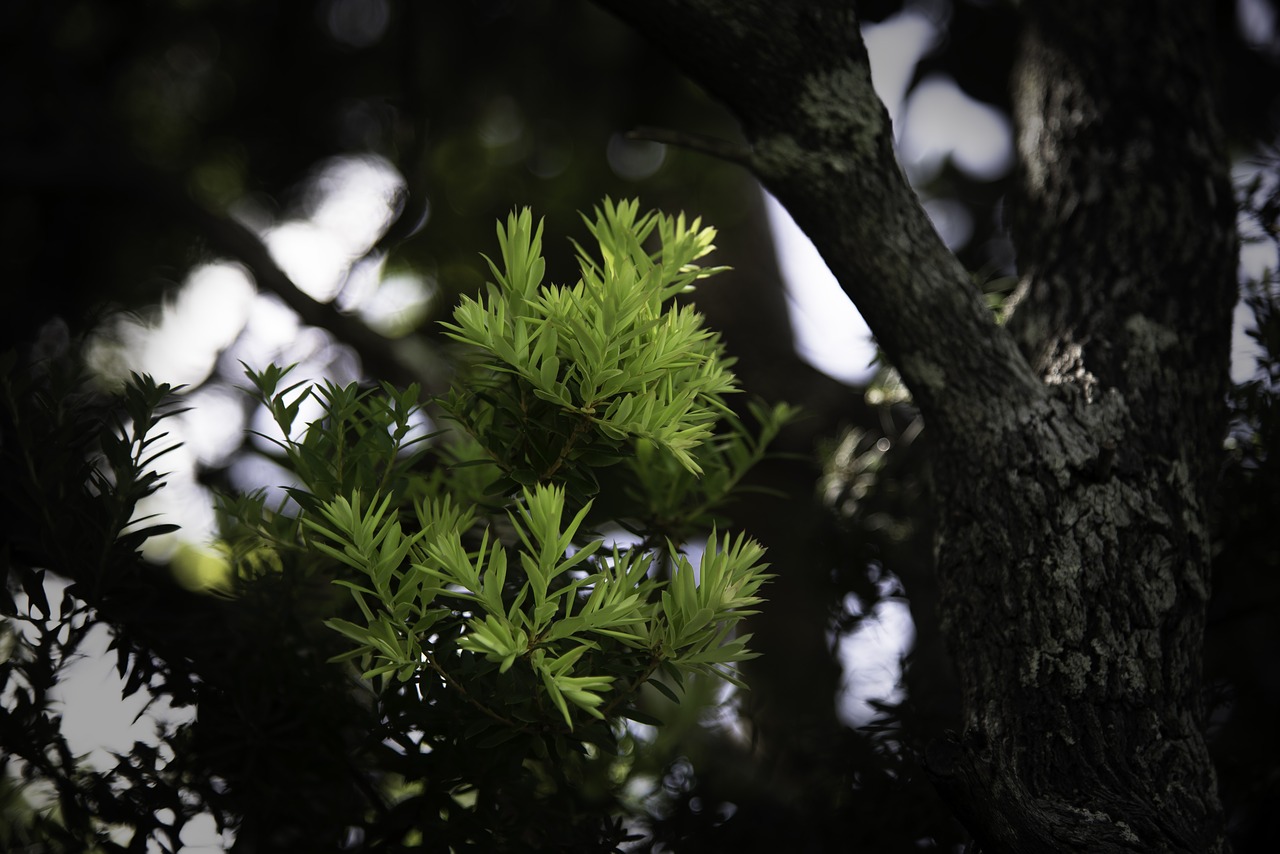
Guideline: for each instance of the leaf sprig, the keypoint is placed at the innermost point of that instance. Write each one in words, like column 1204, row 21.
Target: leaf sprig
column 510, row 599
column 574, row 372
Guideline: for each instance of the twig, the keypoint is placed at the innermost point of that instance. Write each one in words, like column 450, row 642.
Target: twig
column 721, row 149
column 434, row 665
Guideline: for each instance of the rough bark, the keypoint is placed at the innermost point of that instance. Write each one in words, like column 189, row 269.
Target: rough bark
column 1075, row 445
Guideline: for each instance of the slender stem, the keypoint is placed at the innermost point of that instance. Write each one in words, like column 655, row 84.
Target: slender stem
column 712, row 146
column 457, row 686
column 578, row 430
column 631, row 690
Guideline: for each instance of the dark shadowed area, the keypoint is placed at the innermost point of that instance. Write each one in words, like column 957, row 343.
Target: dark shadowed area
column 191, row 186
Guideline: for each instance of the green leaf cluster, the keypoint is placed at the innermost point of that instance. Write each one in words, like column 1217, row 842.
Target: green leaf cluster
column 567, row 374
column 590, row 622
column 523, row 563
column 527, row 576
column 362, row 442
column 74, row 463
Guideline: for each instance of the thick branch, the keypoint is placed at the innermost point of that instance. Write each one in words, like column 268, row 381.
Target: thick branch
column 1125, row 219
column 382, row 357
column 1077, row 621
column 1073, row 546
column 379, row 354
column 797, row 76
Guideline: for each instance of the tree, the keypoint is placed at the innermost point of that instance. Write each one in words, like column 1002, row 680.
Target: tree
column 1088, row 424
column 1074, row 447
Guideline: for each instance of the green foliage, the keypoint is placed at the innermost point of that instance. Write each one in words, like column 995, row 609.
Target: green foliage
column 73, row 466
column 486, row 591
column 567, row 383
column 577, row 374
column 510, row 589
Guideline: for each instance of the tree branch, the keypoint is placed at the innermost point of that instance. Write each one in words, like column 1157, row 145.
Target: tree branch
column 379, row 354
column 1073, row 545
column 701, row 143
column 382, row 357
column 1124, row 218
column 797, row 76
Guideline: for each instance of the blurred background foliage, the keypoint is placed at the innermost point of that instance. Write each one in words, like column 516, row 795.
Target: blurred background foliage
column 155, row 146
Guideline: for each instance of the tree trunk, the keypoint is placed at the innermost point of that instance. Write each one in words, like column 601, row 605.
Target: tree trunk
column 1075, row 446
column 1078, row 616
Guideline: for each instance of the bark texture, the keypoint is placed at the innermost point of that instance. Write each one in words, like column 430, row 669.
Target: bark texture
column 1074, row 445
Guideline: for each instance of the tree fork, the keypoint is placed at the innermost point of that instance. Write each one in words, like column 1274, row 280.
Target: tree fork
column 1084, row 703
column 1076, row 446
